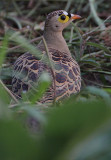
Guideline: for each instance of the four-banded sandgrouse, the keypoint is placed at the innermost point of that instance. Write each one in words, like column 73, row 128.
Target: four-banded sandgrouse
column 66, row 79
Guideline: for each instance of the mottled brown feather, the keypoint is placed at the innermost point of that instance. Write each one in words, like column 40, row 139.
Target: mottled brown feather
column 27, row 70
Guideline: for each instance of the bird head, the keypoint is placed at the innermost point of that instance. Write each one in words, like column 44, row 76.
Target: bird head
column 58, row 20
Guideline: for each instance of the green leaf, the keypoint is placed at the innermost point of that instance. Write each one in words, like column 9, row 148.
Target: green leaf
column 23, row 42
column 3, row 50
column 15, row 143
column 38, row 89
column 99, row 71
column 68, row 125
column 100, row 46
column 99, row 92
column 4, row 97
column 108, row 90
column 90, row 62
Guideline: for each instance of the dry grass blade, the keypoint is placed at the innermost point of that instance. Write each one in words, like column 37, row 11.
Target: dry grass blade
column 94, row 13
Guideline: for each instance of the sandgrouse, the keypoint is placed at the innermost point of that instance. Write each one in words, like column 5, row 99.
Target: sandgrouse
column 66, row 79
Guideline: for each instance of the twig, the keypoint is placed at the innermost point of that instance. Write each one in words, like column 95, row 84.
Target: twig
column 51, row 65
column 47, row 51
column 8, row 91
column 72, row 28
column 98, row 84
column 97, row 71
column 31, row 2
column 91, row 54
column 12, row 106
column 16, row 47
column 91, row 32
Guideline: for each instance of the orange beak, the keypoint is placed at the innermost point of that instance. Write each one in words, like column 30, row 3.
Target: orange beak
column 75, row 16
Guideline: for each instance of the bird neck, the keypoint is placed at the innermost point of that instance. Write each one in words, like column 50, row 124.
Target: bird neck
column 56, row 40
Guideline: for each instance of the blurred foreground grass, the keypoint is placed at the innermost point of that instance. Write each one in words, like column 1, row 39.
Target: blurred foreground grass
column 77, row 129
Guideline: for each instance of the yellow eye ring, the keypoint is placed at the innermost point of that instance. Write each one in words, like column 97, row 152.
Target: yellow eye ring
column 63, row 18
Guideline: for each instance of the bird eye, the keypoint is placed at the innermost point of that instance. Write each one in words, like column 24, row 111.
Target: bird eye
column 63, row 17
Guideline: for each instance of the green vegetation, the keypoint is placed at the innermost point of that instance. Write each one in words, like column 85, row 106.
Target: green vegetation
column 80, row 127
